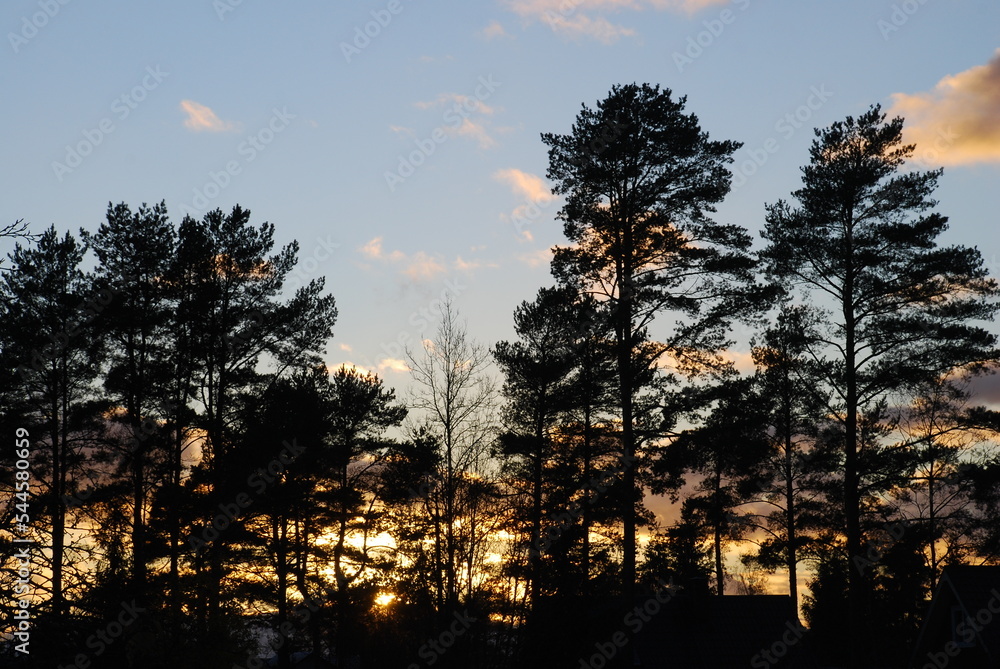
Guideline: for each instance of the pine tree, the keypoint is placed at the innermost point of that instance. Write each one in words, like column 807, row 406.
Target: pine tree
column 640, row 179
column 863, row 240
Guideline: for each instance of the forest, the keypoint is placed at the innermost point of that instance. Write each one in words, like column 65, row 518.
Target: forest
column 186, row 483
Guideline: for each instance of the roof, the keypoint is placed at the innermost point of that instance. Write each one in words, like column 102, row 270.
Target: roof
column 722, row 632
column 975, row 590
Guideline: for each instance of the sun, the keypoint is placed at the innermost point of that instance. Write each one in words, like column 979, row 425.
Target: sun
column 385, row 598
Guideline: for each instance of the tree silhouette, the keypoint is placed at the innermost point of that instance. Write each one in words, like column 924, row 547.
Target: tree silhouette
column 903, row 309
column 640, row 179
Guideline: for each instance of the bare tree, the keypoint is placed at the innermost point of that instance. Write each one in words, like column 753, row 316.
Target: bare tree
column 16, row 230
column 457, row 400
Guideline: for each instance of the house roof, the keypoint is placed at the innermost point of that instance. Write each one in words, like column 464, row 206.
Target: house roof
column 721, row 632
column 976, row 590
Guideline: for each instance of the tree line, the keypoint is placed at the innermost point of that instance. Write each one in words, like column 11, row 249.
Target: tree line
column 196, row 466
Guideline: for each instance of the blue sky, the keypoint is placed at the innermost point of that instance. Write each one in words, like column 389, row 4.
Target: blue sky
column 299, row 111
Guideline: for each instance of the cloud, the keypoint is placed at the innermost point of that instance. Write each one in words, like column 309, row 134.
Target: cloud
column 536, row 194
column 582, row 25
column 373, row 250
column 421, row 266
column 476, row 131
column 464, row 116
column 743, row 361
column 202, row 118
column 402, row 130
column 576, row 18
column 536, row 258
column 393, row 365
column 958, row 121
column 469, row 103
column 349, row 366
column 493, row 31
column 346, row 347
column 524, row 184
column 986, row 389
column 469, row 265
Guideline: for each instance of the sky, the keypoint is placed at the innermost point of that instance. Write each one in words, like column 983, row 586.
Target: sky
column 398, row 140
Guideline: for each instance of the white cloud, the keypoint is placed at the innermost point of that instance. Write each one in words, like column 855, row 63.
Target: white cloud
column 958, row 121
column 201, row 118
column 464, row 116
column 469, row 265
column 583, row 18
column 468, row 103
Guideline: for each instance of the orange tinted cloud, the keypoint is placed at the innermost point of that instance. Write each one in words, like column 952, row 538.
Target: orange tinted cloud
column 529, row 186
column 493, row 31
column 393, row 365
column 201, row 118
column 373, row 250
column 958, row 121
column 536, row 194
column 420, row 265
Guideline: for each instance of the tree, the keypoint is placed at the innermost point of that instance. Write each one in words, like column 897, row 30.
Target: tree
column 16, row 230
column 679, row 554
column 236, row 318
column 456, row 400
column 135, row 252
column 47, row 329
column 903, row 310
column 794, row 406
column 361, row 411
column 640, row 179
column 537, row 370
column 727, row 451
